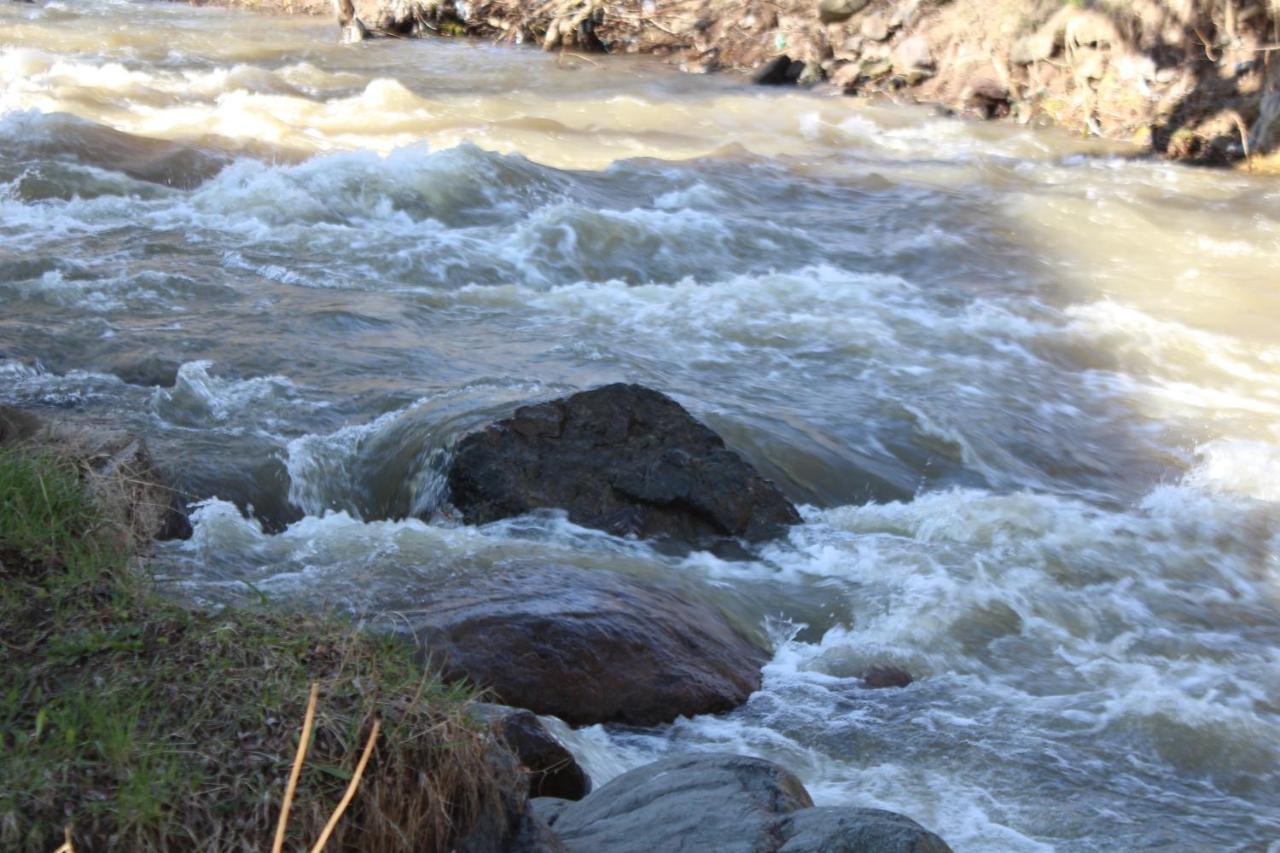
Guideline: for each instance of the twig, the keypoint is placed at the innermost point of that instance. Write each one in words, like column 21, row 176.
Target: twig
column 303, row 742
column 67, row 846
column 1208, row 48
column 565, row 53
column 350, row 792
column 1244, row 139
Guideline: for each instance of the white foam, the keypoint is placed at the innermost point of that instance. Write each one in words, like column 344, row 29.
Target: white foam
column 201, row 399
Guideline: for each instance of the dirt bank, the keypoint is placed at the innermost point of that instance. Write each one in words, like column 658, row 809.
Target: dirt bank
column 1194, row 80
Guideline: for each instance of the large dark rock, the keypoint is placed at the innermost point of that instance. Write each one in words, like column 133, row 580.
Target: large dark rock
column 726, row 803
column 621, row 458
column 588, row 646
column 552, row 769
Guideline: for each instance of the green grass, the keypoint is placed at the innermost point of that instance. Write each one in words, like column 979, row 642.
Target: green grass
column 147, row 725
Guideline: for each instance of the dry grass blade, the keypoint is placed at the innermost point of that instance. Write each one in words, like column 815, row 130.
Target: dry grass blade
column 350, row 792
column 298, row 760
column 67, row 846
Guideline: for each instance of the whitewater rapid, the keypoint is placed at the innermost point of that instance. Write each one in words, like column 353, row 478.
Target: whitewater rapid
column 1025, row 389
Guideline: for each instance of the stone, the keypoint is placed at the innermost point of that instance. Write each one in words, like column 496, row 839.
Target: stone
column 548, row 809
column 779, row 71
column 879, row 677
column 588, row 646
column 1089, row 28
column 707, row 801
column 875, row 27
column 552, row 769
column 145, row 369
column 727, row 803
column 1037, row 47
column 913, row 54
column 17, row 426
column 850, row 830
column 904, row 14
column 837, row 11
column 988, row 98
column 621, row 458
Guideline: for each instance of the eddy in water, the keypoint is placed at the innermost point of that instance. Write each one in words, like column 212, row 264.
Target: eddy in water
column 1019, row 399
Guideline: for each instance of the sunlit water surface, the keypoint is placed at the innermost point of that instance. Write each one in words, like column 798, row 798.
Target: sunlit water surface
column 1027, row 391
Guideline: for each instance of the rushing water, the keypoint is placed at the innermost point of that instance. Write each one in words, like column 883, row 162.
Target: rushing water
column 1027, row 391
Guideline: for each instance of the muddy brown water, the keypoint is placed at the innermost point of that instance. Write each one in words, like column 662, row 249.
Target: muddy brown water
column 1026, row 390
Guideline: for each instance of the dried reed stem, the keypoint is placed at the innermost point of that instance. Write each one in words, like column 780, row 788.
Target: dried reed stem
column 303, row 742
column 350, row 792
column 67, row 846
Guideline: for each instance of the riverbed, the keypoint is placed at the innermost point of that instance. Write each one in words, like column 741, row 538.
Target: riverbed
column 1024, row 387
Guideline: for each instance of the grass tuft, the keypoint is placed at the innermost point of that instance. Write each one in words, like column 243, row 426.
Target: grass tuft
column 146, row 725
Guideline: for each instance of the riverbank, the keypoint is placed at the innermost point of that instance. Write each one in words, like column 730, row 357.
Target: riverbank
column 132, row 722
column 1197, row 83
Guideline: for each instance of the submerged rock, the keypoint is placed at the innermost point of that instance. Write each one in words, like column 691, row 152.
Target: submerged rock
column 780, row 71
column 552, row 769
column 621, row 458
column 147, row 370
column 879, row 677
column 728, row 803
column 588, row 646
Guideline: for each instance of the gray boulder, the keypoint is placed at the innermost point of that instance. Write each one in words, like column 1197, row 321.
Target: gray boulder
column 847, row 830
column 726, row 803
column 711, row 801
column 621, row 458
column 588, row 646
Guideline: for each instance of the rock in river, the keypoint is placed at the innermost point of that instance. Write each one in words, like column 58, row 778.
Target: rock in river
column 551, row 769
column 589, row 646
column 726, row 803
column 621, row 458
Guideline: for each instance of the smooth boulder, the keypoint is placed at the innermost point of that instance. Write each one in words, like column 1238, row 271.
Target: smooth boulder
column 588, row 646
column 621, row 458
column 727, row 803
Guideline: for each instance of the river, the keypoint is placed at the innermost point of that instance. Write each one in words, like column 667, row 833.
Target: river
column 1026, row 389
